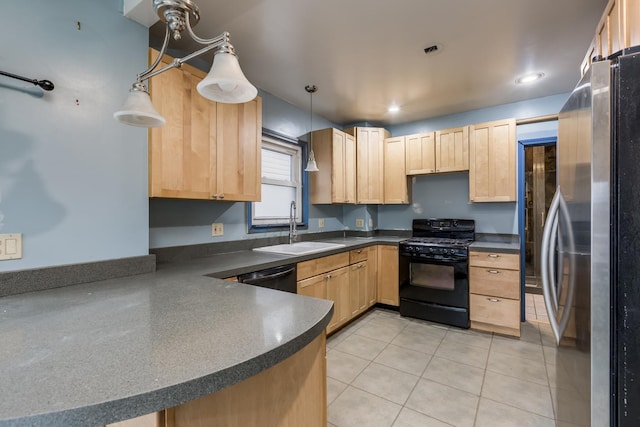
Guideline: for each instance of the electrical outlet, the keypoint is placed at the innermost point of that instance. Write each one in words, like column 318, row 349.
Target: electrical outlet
column 359, row 222
column 370, row 222
column 217, row 229
column 10, row 246
column 320, row 222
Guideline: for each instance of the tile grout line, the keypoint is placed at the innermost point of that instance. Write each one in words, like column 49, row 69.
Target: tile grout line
column 484, row 376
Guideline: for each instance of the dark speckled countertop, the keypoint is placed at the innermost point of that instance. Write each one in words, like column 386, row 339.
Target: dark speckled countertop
column 106, row 351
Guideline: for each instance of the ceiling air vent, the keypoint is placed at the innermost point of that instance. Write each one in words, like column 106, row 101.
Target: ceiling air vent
column 432, row 49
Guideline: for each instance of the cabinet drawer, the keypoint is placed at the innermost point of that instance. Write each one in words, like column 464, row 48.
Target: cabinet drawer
column 495, row 311
column 494, row 282
column 317, row 266
column 494, row 260
column 358, row 255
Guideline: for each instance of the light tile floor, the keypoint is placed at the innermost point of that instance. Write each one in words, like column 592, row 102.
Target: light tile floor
column 535, row 309
column 386, row 370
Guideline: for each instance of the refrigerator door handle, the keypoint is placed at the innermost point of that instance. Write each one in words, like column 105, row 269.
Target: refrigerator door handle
column 552, row 281
column 550, row 295
column 555, row 276
column 563, row 212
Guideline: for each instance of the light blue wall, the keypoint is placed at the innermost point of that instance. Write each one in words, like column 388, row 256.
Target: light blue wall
column 447, row 195
column 72, row 180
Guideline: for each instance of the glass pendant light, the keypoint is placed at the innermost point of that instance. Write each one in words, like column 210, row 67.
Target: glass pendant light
column 311, row 161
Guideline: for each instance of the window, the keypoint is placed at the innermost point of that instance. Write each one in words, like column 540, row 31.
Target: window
column 281, row 183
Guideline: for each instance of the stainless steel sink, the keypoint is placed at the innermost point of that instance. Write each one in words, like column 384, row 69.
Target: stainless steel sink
column 299, row 248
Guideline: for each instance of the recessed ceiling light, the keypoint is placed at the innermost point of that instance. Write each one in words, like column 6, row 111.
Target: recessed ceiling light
column 529, row 78
column 393, row 109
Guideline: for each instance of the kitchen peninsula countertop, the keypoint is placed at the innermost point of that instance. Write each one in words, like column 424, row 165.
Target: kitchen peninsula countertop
column 107, row 351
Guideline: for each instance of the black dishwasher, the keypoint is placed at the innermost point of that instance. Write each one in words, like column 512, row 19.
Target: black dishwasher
column 281, row 278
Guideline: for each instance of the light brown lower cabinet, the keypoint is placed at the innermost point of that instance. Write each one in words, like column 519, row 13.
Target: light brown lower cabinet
column 338, row 292
column 388, row 275
column 349, row 279
column 290, row 394
column 358, row 277
column 494, row 287
column 372, row 278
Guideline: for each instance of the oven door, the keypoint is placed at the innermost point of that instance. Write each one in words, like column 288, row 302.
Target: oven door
column 439, row 282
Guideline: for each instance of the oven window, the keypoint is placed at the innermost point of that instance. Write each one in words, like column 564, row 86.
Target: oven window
column 432, row 276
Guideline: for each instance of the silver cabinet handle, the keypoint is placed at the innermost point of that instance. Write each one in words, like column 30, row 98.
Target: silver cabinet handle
column 493, row 256
column 328, row 276
column 493, row 271
column 359, row 251
column 222, row 195
column 493, row 299
column 214, row 196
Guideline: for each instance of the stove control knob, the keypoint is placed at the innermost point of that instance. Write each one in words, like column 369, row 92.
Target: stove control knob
column 431, row 250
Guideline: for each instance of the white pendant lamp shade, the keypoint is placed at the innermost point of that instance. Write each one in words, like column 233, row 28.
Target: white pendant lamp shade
column 226, row 82
column 138, row 111
column 312, row 166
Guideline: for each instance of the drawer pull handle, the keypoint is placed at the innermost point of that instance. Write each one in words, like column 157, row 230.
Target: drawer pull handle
column 493, row 299
column 493, row 256
column 493, row 271
column 359, row 251
column 328, row 277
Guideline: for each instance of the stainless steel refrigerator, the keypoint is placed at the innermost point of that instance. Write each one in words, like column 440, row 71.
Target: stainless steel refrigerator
column 591, row 249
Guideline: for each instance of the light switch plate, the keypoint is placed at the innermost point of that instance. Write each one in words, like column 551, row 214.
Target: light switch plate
column 359, row 222
column 371, row 222
column 320, row 222
column 10, row 246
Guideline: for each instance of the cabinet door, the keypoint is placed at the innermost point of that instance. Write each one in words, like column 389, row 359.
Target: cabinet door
column 369, row 156
column 396, row 187
column 357, row 288
column 632, row 23
column 420, row 153
column 239, row 135
column 388, row 275
column 349, row 168
column 338, row 168
column 492, row 162
column 372, row 276
column 182, row 153
column 452, row 149
column 313, row 287
column 338, row 292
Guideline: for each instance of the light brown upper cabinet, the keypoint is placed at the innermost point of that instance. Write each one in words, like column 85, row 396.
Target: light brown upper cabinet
column 420, row 152
column 370, row 163
column 619, row 28
column 436, row 152
column 492, row 161
column 452, row 149
column 206, row 150
column 335, row 153
column 397, row 187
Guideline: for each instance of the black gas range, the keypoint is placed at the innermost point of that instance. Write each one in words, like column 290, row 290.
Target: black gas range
column 436, row 257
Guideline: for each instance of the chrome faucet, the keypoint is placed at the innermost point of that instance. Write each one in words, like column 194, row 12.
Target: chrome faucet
column 293, row 231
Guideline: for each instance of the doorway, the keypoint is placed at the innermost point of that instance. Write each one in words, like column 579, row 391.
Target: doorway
column 540, row 186
column 536, row 187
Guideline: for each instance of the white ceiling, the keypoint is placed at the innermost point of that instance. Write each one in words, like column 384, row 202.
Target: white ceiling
column 366, row 54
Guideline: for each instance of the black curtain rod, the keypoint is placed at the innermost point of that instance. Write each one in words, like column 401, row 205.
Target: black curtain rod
column 44, row 84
